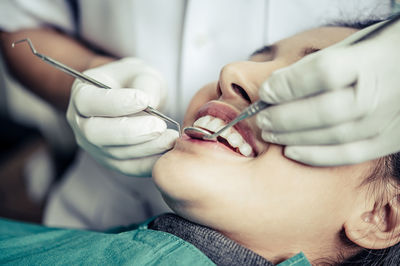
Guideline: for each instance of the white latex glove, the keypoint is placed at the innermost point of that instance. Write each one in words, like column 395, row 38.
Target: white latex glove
column 109, row 124
column 338, row 106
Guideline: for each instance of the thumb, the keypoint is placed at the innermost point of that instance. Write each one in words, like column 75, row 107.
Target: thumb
column 92, row 101
column 153, row 85
column 323, row 71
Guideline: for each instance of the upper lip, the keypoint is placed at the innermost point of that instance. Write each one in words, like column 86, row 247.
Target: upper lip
column 227, row 113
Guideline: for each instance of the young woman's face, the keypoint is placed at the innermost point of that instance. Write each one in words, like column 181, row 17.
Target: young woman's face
column 214, row 184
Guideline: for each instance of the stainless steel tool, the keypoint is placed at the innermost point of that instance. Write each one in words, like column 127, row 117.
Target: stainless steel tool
column 85, row 78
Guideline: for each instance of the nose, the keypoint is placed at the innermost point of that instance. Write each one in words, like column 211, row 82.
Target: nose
column 236, row 82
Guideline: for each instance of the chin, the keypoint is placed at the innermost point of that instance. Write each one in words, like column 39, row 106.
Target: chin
column 185, row 179
column 174, row 176
column 165, row 172
column 171, row 174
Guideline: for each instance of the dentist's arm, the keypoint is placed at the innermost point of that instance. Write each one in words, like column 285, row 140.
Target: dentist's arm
column 106, row 123
column 339, row 106
column 46, row 81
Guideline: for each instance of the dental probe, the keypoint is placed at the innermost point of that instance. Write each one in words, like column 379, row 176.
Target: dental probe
column 85, row 78
column 199, row 133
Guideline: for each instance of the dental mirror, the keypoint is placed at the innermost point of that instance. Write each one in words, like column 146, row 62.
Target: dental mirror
column 197, row 133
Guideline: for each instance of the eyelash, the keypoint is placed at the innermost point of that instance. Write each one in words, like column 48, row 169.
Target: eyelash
column 309, row 50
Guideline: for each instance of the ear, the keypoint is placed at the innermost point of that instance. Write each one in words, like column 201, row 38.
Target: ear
column 377, row 228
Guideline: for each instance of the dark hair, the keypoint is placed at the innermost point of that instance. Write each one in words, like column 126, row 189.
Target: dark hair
column 356, row 24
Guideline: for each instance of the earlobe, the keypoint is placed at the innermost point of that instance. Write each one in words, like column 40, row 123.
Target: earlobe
column 378, row 228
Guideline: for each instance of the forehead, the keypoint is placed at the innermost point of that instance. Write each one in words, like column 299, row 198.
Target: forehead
column 318, row 38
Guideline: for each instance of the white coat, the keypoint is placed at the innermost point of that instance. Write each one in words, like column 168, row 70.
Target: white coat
column 186, row 40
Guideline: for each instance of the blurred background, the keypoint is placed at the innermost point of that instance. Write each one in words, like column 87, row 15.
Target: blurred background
column 36, row 147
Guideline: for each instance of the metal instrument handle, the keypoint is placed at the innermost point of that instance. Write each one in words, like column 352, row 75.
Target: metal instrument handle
column 86, row 78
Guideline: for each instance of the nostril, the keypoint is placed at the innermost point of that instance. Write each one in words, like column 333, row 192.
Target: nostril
column 239, row 90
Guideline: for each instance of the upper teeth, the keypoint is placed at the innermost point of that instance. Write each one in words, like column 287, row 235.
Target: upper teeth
column 214, row 124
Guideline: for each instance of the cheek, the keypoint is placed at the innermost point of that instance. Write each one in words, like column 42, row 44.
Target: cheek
column 288, row 187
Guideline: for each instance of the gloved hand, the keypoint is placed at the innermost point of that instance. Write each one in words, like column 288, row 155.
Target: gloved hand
column 109, row 123
column 340, row 105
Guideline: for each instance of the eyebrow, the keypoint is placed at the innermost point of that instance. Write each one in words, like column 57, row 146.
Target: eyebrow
column 271, row 50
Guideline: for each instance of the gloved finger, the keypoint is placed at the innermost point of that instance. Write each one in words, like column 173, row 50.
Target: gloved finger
column 103, row 131
column 342, row 133
column 133, row 167
column 119, row 73
column 323, row 110
column 335, row 155
column 90, row 100
column 158, row 145
column 349, row 153
column 322, row 71
column 141, row 167
column 153, row 86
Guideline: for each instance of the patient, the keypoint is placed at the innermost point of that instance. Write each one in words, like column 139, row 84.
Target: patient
column 239, row 201
column 248, row 191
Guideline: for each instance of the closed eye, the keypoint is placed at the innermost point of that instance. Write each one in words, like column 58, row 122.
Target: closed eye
column 308, row 50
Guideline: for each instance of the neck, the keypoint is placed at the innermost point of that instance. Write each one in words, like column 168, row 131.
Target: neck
column 278, row 249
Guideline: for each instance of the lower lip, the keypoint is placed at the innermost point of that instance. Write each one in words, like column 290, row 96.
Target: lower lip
column 189, row 143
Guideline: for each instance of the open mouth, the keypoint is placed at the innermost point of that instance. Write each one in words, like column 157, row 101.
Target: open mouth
column 230, row 137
